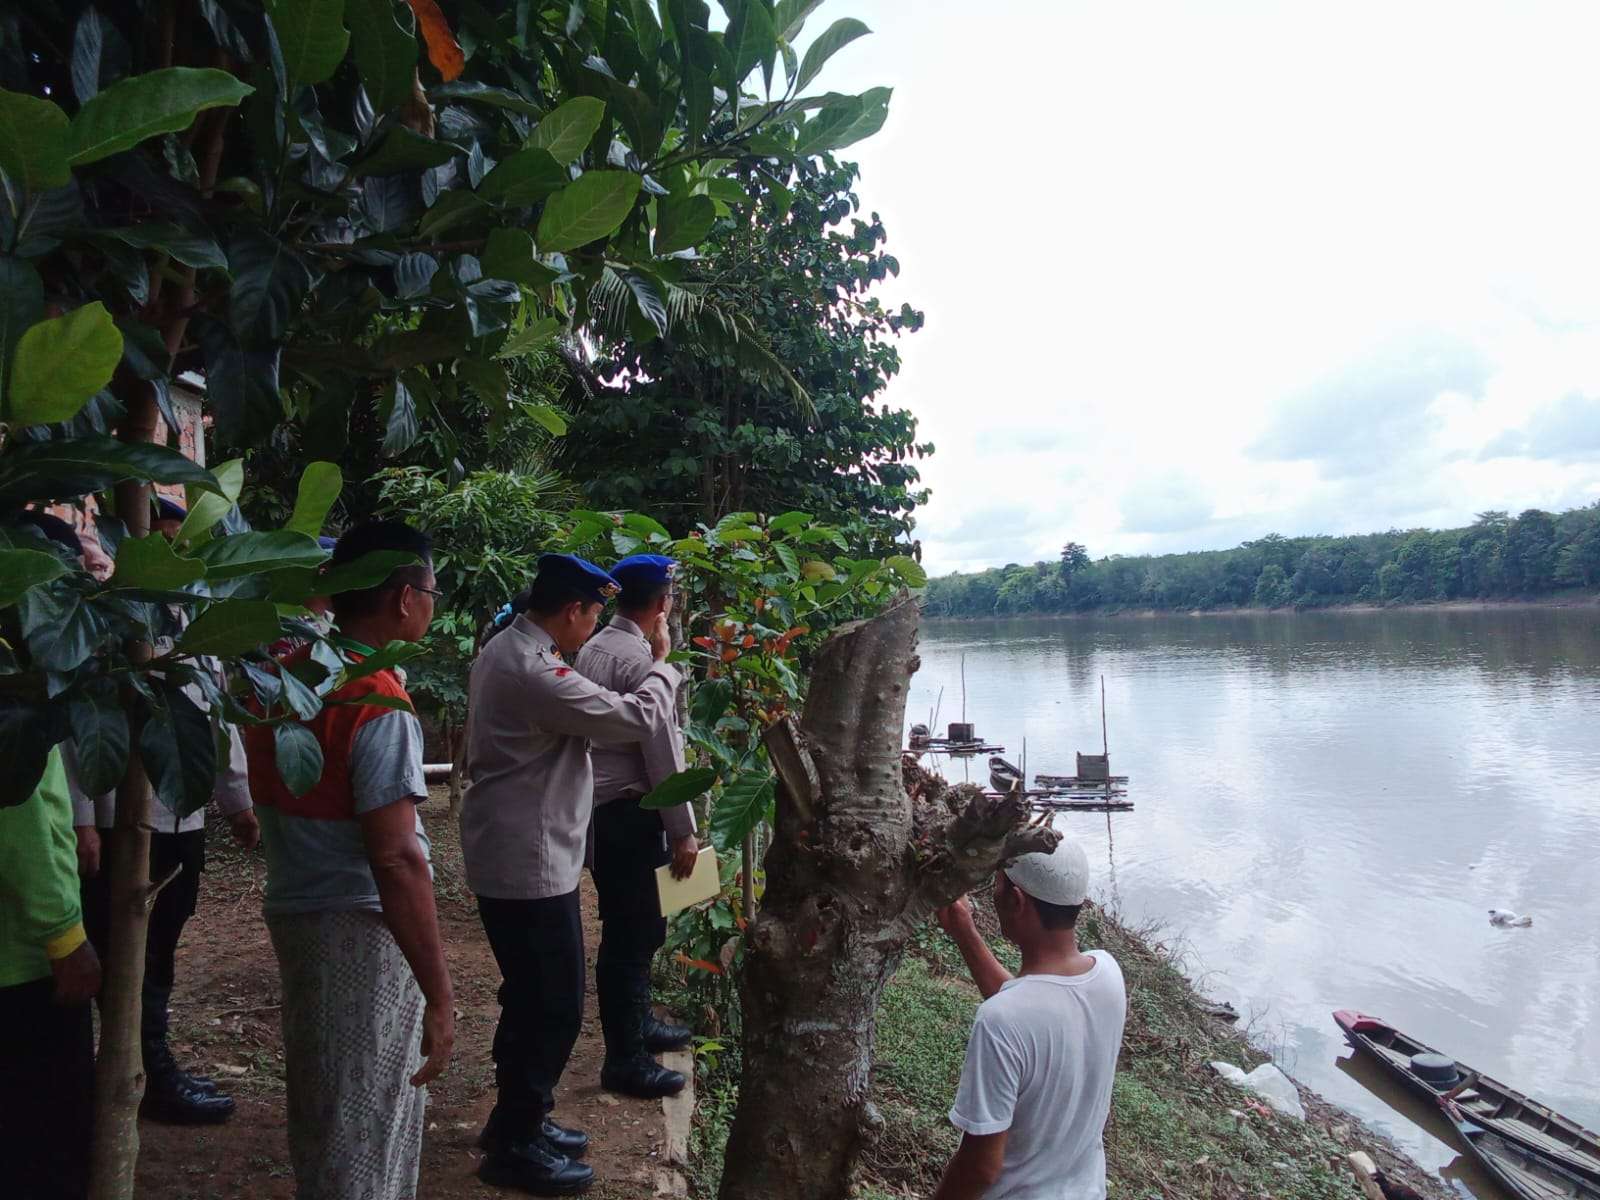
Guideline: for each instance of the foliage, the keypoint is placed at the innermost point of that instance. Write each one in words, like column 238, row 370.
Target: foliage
column 707, row 432
column 349, row 243
column 1497, row 556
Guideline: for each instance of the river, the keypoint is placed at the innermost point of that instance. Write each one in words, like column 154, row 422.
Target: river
column 1327, row 806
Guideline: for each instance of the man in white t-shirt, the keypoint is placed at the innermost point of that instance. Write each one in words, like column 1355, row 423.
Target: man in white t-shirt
column 1036, row 1086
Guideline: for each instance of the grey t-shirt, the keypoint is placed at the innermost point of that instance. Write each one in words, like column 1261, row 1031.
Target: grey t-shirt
column 319, row 864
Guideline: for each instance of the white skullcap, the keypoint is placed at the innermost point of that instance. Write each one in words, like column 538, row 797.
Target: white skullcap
column 1059, row 877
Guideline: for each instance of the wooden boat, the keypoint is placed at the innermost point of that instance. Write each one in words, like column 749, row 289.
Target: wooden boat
column 1003, row 777
column 1496, row 1107
column 1073, row 782
column 1520, row 1170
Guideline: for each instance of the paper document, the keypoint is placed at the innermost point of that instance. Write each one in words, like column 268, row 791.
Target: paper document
column 703, row 883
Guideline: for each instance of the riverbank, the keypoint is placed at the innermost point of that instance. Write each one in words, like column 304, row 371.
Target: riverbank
column 1176, row 1130
column 1571, row 598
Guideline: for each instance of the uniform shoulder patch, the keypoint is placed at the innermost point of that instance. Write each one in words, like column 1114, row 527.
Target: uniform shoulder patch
column 563, row 671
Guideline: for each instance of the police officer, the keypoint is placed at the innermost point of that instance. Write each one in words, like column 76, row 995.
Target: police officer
column 524, row 822
column 630, row 842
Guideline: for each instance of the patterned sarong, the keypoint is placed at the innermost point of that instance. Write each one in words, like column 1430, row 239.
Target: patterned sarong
column 352, row 1033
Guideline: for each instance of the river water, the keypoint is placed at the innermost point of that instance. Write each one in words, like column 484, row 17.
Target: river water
column 1327, row 806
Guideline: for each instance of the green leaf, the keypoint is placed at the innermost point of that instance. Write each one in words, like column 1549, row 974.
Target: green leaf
column 311, row 36
column 390, row 655
column 709, row 701
column 100, row 739
column 682, row 221
column 551, row 419
column 740, row 808
column 908, row 569
column 788, row 521
column 296, row 585
column 21, row 570
column 843, row 122
column 475, row 92
column 141, row 106
column 376, row 700
column 750, row 39
column 647, row 296
column 149, row 563
column 62, row 470
column 509, row 254
column 789, row 16
column 253, row 553
column 680, row 788
column 61, row 628
column 789, row 559
column 817, row 571
column 402, row 149
column 568, row 128
column 524, row 178
column 587, row 209
column 298, row 755
column 231, row 627
column 528, row 340
column 320, row 485
column 21, row 307
column 191, row 249
column 34, row 138
column 25, row 742
column 205, row 509
column 60, row 363
column 301, row 698
column 835, row 38
column 270, row 281
column 179, row 753
column 385, row 52
column 400, row 423
column 644, row 525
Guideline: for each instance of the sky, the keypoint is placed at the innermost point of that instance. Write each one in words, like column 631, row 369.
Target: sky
column 1198, row 272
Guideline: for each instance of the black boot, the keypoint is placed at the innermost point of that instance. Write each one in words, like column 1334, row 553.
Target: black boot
column 664, row 1035
column 534, row 1166
column 628, row 1067
column 574, row 1143
column 170, row 1095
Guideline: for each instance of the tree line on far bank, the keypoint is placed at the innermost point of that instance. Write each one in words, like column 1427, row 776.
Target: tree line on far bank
column 1496, row 557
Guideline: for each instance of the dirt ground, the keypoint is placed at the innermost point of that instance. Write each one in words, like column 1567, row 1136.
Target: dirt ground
column 225, row 1023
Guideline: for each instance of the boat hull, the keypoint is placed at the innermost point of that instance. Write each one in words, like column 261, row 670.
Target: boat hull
column 1488, row 1103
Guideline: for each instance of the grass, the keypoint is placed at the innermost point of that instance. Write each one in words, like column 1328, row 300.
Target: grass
column 1176, row 1130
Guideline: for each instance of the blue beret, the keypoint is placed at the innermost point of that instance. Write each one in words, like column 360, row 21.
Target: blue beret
column 644, row 570
column 579, row 574
column 326, row 542
column 170, row 510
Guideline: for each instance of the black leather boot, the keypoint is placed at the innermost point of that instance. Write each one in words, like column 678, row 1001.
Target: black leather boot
column 170, row 1095
column 628, row 1067
column 536, row 1167
column 664, row 1035
column 574, row 1143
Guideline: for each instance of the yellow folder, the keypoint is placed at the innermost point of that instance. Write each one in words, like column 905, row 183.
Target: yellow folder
column 703, row 883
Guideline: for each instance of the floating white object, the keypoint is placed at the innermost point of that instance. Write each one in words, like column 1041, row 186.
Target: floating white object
column 1266, row 1081
column 1507, row 919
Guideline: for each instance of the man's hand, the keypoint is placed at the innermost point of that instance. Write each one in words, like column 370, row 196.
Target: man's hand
column 88, row 850
column 438, row 1039
column 77, row 975
column 246, row 829
column 685, row 852
column 660, row 638
column 956, row 917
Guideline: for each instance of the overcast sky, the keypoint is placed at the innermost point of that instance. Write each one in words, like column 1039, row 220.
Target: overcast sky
column 1198, row 272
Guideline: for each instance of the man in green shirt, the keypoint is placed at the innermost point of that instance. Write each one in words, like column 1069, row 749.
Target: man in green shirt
column 48, row 975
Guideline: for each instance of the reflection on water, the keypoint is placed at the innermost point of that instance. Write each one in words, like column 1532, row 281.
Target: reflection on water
column 1327, row 806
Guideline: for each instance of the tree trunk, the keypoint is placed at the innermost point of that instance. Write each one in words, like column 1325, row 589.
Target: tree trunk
column 119, row 1065
column 455, row 737
column 864, row 850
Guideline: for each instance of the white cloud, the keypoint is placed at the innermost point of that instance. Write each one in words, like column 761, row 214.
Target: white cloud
column 1194, row 273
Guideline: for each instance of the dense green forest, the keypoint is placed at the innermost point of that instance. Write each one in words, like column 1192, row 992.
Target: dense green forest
column 1496, row 557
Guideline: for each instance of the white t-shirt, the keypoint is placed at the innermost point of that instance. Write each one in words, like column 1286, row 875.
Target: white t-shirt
column 1040, row 1064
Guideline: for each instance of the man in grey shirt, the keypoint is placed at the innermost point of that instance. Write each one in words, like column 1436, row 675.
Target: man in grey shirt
column 630, row 842
column 524, row 823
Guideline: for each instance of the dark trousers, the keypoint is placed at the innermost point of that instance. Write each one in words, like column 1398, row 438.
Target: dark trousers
column 46, row 1093
column 539, row 947
column 173, row 908
column 629, row 844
